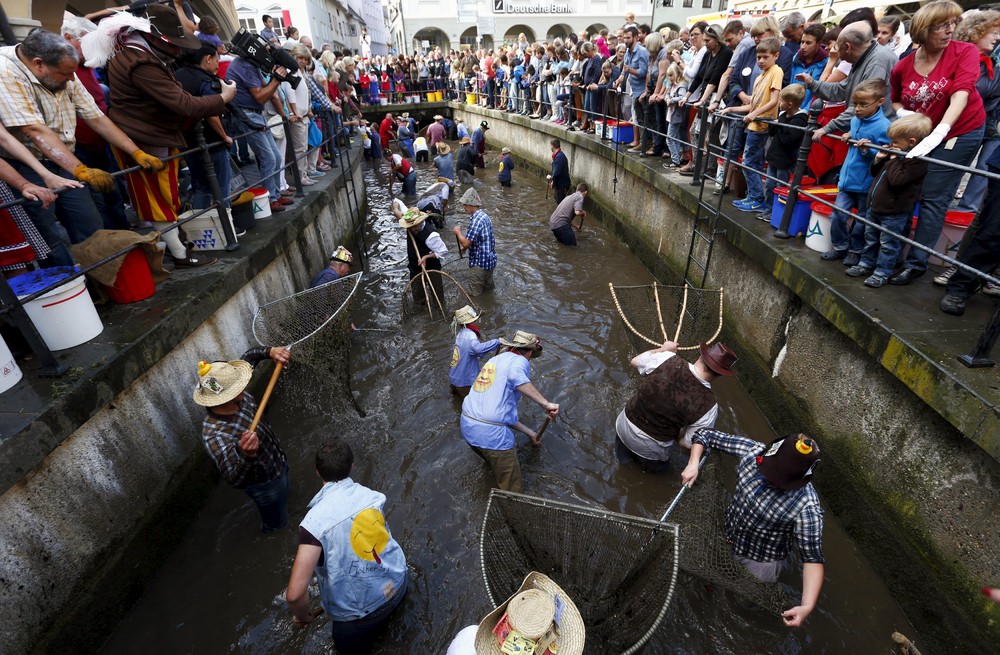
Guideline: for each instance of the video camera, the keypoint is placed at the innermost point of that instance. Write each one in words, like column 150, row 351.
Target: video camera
column 255, row 48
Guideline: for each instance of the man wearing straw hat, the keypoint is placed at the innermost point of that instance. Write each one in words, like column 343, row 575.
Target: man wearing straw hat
column 478, row 240
column 435, row 131
column 489, row 412
column 345, row 541
column 424, row 251
column 251, row 460
column 444, row 164
column 339, row 266
column 673, row 401
column 774, row 505
column 468, row 349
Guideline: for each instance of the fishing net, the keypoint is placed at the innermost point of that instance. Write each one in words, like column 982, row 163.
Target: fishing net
column 700, row 518
column 435, row 294
column 656, row 313
column 620, row 570
column 295, row 318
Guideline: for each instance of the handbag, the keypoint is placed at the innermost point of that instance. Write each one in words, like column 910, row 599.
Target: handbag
column 315, row 135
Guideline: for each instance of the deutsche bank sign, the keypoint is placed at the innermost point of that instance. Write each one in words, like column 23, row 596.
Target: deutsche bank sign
column 534, row 6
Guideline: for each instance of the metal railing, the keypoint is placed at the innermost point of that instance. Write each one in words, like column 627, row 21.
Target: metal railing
column 14, row 306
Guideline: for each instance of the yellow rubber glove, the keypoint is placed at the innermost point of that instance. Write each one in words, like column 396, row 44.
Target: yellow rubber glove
column 95, row 177
column 148, row 162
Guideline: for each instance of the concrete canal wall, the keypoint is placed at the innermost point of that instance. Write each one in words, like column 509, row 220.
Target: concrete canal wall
column 911, row 447
column 93, row 517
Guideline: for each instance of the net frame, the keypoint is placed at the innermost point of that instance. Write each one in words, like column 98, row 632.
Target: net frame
column 262, row 331
column 656, row 529
column 420, row 278
column 686, row 290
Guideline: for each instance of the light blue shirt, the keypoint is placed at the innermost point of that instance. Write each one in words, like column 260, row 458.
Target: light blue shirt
column 463, row 131
column 465, row 357
column 490, row 410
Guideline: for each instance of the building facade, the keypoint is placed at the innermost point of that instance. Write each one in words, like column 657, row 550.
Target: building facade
column 417, row 25
column 355, row 25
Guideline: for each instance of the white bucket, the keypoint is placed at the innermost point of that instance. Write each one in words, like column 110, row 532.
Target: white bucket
column 205, row 232
column 261, row 205
column 64, row 317
column 10, row 373
column 818, row 233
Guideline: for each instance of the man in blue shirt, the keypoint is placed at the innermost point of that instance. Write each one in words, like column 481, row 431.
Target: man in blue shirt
column 468, row 349
column 340, row 265
column 479, row 143
column 478, row 240
column 635, row 67
column 559, row 178
column 489, row 412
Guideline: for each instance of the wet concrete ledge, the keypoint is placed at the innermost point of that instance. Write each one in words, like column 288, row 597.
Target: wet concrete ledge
column 912, row 437
column 104, row 468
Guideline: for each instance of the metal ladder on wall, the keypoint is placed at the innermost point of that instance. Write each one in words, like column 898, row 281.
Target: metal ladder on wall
column 705, row 228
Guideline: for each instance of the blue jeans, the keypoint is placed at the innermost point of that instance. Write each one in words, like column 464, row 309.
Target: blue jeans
column 565, row 235
column 269, row 161
column 677, row 132
column 591, row 104
column 938, row 191
column 855, row 239
column 753, row 159
column 110, row 205
column 660, row 138
column 358, row 637
column 201, row 188
column 882, row 248
column 771, row 185
column 975, row 190
column 74, row 208
column 271, row 499
column 410, row 184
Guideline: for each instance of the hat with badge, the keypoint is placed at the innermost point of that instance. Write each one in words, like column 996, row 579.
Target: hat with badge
column 789, row 462
column 342, row 255
column 220, row 382
column 412, row 217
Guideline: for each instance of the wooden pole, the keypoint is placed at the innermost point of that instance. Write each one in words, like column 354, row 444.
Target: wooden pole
column 267, row 395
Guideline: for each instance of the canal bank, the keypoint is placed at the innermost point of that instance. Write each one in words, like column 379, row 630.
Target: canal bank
column 913, row 438
column 103, row 469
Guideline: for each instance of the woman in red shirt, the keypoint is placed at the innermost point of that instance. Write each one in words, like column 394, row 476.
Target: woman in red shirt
column 938, row 81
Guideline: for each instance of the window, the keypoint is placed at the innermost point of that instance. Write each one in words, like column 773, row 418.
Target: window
column 688, row 3
column 279, row 25
column 249, row 24
column 706, row 4
column 667, row 3
column 353, row 29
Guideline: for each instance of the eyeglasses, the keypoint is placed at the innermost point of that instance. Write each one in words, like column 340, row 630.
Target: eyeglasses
column 858, row 105
column 943, row 27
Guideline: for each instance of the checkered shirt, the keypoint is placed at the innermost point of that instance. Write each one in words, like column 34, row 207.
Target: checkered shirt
column 761, row 520
column 222, row 439
column 24, row 101
column 316, row 94
column 482, row 251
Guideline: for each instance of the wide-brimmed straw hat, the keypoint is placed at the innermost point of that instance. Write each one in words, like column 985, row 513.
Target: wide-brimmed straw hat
column 438, row 117
column 342, row 255
column 789, row 462
column 443, row 148
column 466, row 315
column 412, row 217
column 505, row 150
column 406, row 114
column 164, row 23
column 531, row 612
column 464, row 140
column 523, row 339
column 719, row 358
column 220, row 382
column 471, row 198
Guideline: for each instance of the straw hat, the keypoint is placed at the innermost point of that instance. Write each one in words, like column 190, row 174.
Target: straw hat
column 719, row 358
column 220, row 382
column 466, row 315
column 412, row 217
column 522, row 339
column 789, row 462
column 406, row 114
column 471, row 198
column 531, row 611
column 342, row 255
column 465, row 140
column 505, row 150
column 443, row 148
column 438, row 117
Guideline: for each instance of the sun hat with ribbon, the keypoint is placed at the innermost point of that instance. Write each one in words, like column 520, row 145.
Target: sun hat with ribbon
column 220, row 382
column 523, row 339
column 412, row 217
column 540, row 612
column 467, row 315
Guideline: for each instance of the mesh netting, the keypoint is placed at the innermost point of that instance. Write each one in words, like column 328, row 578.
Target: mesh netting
column 295, row 318
column 435, row 294
column 700, row 517
column 620, row 570
column 656, row 313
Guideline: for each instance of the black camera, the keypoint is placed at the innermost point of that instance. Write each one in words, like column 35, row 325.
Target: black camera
column 253, row 47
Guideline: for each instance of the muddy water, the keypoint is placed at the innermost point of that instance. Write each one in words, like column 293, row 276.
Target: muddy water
column 219, row 592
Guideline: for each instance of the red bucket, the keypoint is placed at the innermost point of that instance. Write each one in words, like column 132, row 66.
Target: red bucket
column 134, row 281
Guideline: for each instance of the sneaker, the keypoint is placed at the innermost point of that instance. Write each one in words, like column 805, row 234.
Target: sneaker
column 942, row 279
column 754, row 206
column 308, row 181
column 852, row 259
column 953, row 304
column 317, row 174
column 739, row 204
column 859, row 271
column 833, row 255
column 992, row 289
column 764, row 216
column 876, row 281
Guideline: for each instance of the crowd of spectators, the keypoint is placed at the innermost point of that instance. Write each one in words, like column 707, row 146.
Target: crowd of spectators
column 129, row 93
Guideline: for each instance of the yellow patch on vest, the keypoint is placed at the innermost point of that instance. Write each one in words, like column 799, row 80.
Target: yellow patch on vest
column 368, row 534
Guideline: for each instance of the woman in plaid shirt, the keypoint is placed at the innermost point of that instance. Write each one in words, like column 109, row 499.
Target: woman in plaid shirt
column 774, row 505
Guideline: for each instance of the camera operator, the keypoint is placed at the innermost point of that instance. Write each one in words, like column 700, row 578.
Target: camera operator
column 151, row 107
column 252, row 94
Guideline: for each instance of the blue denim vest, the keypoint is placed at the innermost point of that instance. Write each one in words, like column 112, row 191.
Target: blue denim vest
column 363, row 566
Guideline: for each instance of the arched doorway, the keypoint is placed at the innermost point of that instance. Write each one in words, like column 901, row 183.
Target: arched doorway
column 434, row 37
column 560, row 30
column 468, row 40
column 595, row 29
column 516, row 30
column 669, row 26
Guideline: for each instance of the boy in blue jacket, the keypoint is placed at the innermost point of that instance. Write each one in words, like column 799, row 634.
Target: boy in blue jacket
column 506, row 166
column 869, row 123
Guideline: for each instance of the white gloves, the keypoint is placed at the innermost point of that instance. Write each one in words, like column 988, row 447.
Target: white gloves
column 903, row 112
column 931, row 141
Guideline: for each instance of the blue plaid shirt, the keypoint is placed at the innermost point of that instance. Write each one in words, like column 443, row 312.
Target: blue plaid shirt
column 482, row 251
column 761, row 520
